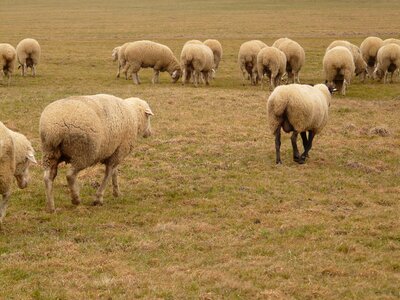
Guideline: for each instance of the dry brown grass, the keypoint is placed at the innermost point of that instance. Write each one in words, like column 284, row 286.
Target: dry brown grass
column 205, row 212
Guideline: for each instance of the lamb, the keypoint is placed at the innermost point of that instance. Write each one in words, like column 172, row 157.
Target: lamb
column 16, row 155
column 148, row 54
column 272, row 62
column 338, row 67
column 298, row 108
column 295, row 57
column 388, row 61
column 247, row 59
column 197, row 59
column 369, row 49
column 8, row 57
column 359, row 63
column 86, row 130
column 28, row 54
column 216, row 48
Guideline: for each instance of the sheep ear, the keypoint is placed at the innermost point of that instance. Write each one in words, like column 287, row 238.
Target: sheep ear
column 149, row 112
column 31, row 157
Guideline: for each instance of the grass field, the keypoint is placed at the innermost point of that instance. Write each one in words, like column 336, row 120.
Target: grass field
column 205, row 212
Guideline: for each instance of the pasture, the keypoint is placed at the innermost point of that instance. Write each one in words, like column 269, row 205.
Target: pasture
column 205, row 212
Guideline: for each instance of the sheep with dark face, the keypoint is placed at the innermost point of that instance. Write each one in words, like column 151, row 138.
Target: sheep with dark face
column 298, row 108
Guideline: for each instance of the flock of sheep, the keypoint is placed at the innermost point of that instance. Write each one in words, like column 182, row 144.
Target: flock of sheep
column 86, row 130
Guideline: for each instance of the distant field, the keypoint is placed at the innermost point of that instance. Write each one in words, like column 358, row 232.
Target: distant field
column 205, row 212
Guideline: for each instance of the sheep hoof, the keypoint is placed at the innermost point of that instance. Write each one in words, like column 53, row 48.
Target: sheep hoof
column 278, row 162
column 97, row 202
column 302, row 160
column 75, row 201
column 296, row 158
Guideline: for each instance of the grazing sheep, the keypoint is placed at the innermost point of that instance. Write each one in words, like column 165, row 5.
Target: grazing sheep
column 272, row 62
column 359, row 63
column 369, row 49
column 197, row 59
column 338, row 67
column 16, row 155
column 388, row 61
column 28, row 54
column 216, row 48
column 295, row 57
column 8, row 57
column 247, row 59
column 148, row 54
column 298, row 108
column 86, row 130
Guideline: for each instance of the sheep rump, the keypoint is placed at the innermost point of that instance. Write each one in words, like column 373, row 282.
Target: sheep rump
column 197, row 60
column 272, row 62
column 338, row 67
column 247, row 60
column 298, row 108
column 388, row 61
column 28, row 54
column 8, row 57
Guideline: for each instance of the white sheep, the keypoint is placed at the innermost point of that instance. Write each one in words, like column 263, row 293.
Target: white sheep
column 28, row 54
column 388, row 61
column 8, row 57
column 247, row 59
column 272, row 62
column 359, row 63
column 148, row 54
column 369, row 49
column 298, row 108
column 216, row 48
column 295, row 57
column 196, row 59
column 16, row 155
column 339, row 67
column 86, row 130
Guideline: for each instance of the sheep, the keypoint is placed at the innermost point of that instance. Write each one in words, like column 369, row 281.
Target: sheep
column 388, row 61
column 338, row 67
column 148, row 54
column 16, row 155
column 197, row 59
column 359, row 63
column 28, row 54
column 295, row 57
column 247, row 59
column 86, row 130
column 298, row 108
column 369, row 49
column 216, row 48
column 272, row 62
column 8, row 57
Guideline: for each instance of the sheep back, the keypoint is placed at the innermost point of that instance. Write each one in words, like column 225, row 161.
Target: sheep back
column 85, row 130
column 388, row 58
column 359, row 63
column 271, row 58
column 369, row 49
column 295, row 55
column 197, row 56
column 8, row 56
column 148, row 54
column 338, row 61
column 7, row 159
column 216, row 48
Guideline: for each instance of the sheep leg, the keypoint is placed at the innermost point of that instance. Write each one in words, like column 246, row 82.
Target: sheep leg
column 391, row 77
column 102, row 187
column 278, row 145
column 155, row 77
column 115, row 184
column 49, row 176
column 205, row 77
column 34, row 71
column 3, row 207
column 135, row 78
column 73, row 186
column 293, row 139
column 308, row 148
column 119, row 70
column 304, row 139
column 24, row 69
column 272, row 83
